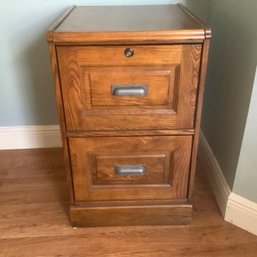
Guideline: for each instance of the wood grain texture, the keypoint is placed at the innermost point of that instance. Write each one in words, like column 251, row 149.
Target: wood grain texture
column 129, row 38
column 79, row 95
column 61, row 114
column 34, row 219
column 157, row 165
column 198, row 113
column 160, row 83
column 85, row 151
column 57, row 84
column 131, row 215
column 125, row 133
column 54, row 26
column 134, row 24
column 208, row 32
column 128, row 18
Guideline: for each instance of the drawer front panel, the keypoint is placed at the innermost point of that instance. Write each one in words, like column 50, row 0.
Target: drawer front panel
column 105, row 90
column 130, row 168
column 139, row 87
column 117, row 168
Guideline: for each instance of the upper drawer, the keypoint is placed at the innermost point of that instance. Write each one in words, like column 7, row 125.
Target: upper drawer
column 104, row 88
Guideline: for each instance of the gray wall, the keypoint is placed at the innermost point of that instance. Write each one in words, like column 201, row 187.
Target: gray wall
column 230, row 79
column 246, row 175
column 233, row 58
column 201, row 8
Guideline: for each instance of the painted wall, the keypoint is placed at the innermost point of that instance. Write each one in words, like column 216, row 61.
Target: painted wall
column 246, row 175
column 201, row 8
column 27, row 95
column 230, row 79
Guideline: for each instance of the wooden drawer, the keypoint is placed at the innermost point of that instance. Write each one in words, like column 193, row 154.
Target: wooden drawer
column 130, row 168
column 102, row 89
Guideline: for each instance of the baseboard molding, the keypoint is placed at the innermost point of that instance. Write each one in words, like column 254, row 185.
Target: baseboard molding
column 235, row 209
column 242, row 213
column 27, row 137
column 216, row 178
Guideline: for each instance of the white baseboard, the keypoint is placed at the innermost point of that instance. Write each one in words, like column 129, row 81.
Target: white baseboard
column 242, row 213
column 235, row 209
column 216, row 178
column 27, row 137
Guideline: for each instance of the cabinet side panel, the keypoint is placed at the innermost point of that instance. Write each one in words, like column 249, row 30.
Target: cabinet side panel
column 58, row 95
column 202, row 76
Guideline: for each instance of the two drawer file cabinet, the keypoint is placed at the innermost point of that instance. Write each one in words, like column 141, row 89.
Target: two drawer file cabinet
column 129, row 86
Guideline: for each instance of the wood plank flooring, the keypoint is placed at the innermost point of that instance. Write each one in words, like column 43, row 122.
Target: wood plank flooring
column 34, row 220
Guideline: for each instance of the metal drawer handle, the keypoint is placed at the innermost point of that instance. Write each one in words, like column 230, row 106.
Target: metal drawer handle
column 129, row 170
column 129, row 90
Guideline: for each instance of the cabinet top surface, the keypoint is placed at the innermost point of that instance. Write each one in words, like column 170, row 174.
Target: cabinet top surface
column 172, row 19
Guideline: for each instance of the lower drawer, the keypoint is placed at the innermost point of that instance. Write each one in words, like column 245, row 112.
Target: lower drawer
column 130, row 168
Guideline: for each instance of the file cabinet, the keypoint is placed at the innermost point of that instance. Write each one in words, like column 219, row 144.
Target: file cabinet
column 129, row 86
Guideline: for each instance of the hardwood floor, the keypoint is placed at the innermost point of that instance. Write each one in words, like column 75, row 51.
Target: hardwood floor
column 34, row 221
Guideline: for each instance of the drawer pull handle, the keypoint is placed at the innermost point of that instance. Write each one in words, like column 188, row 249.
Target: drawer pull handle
column 129, row 90
column 128, row 52
column 129, row 170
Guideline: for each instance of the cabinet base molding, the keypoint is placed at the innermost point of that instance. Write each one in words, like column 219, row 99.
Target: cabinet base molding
column 130, row 215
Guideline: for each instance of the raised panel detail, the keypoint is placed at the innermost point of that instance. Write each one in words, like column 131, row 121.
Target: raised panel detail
column 167, row 160
column 160, row 82
column 170, row 72
column 157, row 166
